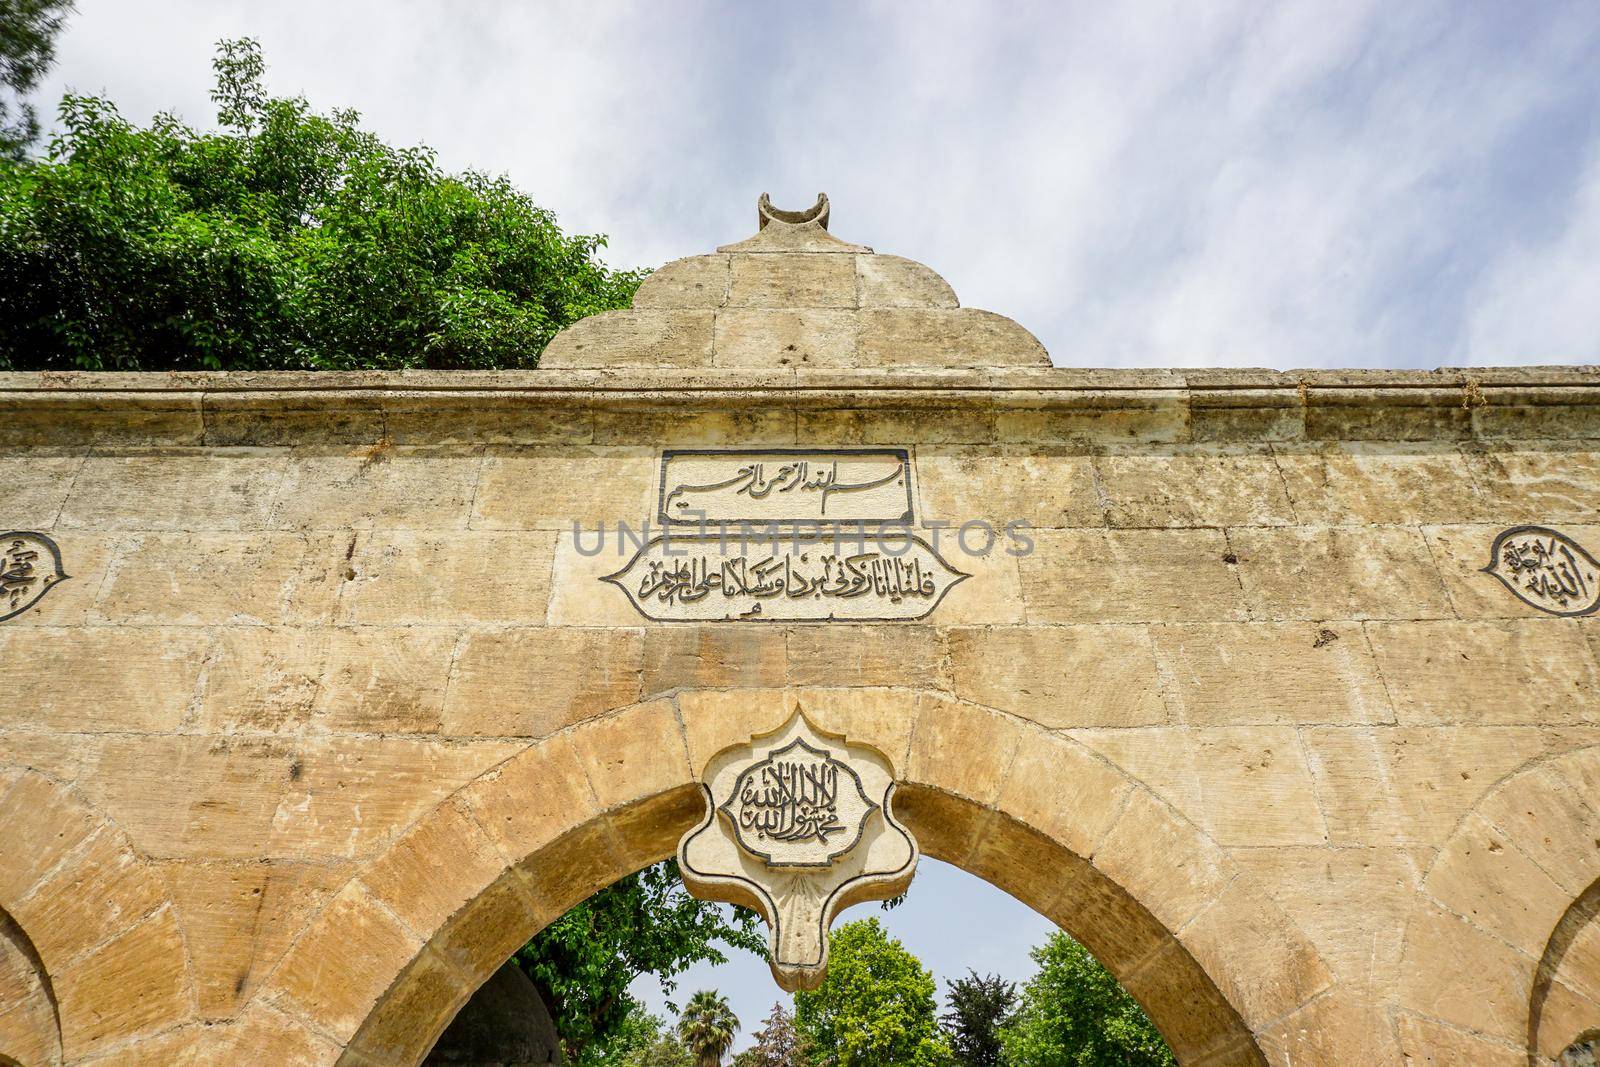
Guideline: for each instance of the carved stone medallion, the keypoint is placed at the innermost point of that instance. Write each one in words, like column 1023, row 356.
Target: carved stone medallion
column 1546, row 569
column 799, row 825
column 30, row 566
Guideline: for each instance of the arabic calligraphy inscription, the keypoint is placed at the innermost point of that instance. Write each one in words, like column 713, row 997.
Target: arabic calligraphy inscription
column 785, row 485
column 30, row 566
column 1546, row 569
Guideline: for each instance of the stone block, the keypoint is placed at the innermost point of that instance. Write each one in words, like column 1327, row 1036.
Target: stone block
column 1059, row 787
column 378, row 485
column 645, row 338
column 963, row 750
column 1538, row 485
column 1457, row 974
column 36, row 483
column 633, row 755
column 892, row 281
column 1261, row 962
column 210, row 579
column 1387, row 483
column 98, row 892
column 138, row 983
column 570, row 870
column 1339, row 572
column 1429, row 1043
column 495, row 923
column 558, row 489
column 1352, row 903
column 1337, row 1029
column 691, row 282
column 1060, row 676
column 793, row 280
column 1163, row 861
column 1234, row 674
column 1488, row 673
column 191, row 795
column 937, row 424
column 1548, row 812
column 946, row 827
column 389, row 680
column 1130, row 576
column 239, row 917
column 690, row 424
column 1194, row 1017
column 426, row 997
column 85, row 558
column 1103, row 918
column 532, row 798
column 1258, row 789
column 410, row 877
column 866, row 654
column 991, row 595
column 578, row 596
column 532, row 682
column 1483, row 877
column 177, row 490
column 1445, row 770
column 261, row 678
column 1045, row 491
column 348, row 796
column 1212, row 488
column 121, row 678
column 945, row 337
column 1147, row 417
column 44, row 823
column 680, row 657
column 434, row 420
column 444, row 579
column 342, row 966
column 809, row 337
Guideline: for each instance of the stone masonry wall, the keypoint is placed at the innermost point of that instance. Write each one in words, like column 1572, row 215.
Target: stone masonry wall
column 1251, row 718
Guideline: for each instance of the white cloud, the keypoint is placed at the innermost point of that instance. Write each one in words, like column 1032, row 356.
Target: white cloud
column 1155, row 183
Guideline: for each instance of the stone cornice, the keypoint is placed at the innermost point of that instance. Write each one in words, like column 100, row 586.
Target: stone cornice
column 1174, row 406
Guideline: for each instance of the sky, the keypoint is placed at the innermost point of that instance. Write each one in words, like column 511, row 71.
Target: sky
column 1296, row 184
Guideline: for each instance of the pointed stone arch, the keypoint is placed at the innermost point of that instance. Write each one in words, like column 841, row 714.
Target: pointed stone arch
column 96, row 920
column 1508, row 905
column 1221, row 969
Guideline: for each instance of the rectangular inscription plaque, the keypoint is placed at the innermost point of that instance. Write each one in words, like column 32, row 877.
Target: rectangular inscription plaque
column 849, row 485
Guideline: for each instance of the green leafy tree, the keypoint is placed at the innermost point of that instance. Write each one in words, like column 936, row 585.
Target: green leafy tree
column 707, row 1027
column 28, row 31
column 875, row 1008
column 287, row 239
column 777, row 1043
column 643, row 1040
column 979, row 1007
column 646, row 923
column 1074, row 1014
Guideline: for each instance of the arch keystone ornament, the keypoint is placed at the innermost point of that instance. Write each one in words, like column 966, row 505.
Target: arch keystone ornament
column 799, row 825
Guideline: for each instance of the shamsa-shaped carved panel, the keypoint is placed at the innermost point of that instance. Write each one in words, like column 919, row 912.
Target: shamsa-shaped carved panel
column 799, row 825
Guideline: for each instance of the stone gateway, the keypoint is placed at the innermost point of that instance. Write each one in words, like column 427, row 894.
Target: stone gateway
column 325, row 692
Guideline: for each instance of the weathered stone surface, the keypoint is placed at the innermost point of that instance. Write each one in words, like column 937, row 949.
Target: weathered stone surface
column 124, row 679
column 538, row 663
column 1236, row 674
column 1044, row 491
column 385, row 681
column 784, row 280
column 216, row 490
column 946, row 337
column 136, row 982
column 892, row 281
column 1339, row 572
column 785, row 338
column 713, row 656
column 692, row 282
column 1060, row 676
column 548, row 489
column 863, row 654
column 1193, row 489
column 363, row 488
column 646, row 338
column 1380, row 484
column 1130, row 576
column 440, row 579
column 1488, row 673
column 36, row 486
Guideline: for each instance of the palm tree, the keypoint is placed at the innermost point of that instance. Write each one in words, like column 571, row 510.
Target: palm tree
column 707, row 1026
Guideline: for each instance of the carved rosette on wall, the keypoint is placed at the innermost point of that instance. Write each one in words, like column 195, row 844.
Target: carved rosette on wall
column 799, row 825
